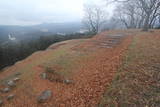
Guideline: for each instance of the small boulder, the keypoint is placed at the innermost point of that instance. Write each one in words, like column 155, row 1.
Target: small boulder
column 10, row 97
column 16, row 79
column 43, row 75
column 17, row 73
column 11, row 83
column 5, row 90
column 45, row 95
column 67, row 81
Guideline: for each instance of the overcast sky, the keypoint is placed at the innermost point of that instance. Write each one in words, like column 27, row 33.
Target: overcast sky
column 27, row 12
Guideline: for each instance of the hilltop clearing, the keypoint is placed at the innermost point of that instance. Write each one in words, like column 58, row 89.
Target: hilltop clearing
column 73, row 73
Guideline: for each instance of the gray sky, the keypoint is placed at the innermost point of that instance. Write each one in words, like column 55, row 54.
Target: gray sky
column 27, row 12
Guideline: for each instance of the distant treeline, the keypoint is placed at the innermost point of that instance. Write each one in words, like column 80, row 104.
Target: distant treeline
column 12, row 52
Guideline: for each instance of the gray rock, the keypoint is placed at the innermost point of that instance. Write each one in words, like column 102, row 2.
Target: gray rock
column 67, row 81
column 11, row 83
column 16, row 79
column 43, row 75
column 1, row 103
column 5, row 90
column 17, row 73
column 45, row 95
column 10, row 97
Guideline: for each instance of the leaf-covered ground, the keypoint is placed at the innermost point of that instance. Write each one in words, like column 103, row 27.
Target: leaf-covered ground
column 137, row 82
column 91, row 65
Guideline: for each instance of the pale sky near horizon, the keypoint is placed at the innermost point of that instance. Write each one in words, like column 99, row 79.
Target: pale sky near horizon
column 29, row 12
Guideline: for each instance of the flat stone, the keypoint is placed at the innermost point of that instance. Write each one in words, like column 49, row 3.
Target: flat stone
column 11, row 83
column 16, row 79
column 67, row 81
column 11, row 96
column 45, row 95
column 17, row 73
column 5, row 90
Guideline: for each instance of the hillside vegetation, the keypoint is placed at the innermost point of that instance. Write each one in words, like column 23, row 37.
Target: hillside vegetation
column 13, row 51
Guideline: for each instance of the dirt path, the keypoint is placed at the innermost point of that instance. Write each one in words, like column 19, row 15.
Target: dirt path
column 95, row 73
column 94, row 63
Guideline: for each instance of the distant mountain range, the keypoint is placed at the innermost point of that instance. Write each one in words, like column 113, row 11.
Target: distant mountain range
column 34, row 31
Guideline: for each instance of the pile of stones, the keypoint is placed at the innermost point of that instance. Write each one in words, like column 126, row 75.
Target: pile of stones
column 9, row 85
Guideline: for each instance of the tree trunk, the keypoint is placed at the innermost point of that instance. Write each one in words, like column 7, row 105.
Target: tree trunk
column 146, row 23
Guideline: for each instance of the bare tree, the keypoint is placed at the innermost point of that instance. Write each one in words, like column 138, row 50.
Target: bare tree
column 150, row 8
column 148, row 11
column 129, row 14
column 94, row 18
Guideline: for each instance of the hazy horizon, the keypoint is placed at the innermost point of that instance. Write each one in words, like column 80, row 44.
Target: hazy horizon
column 32, row 12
